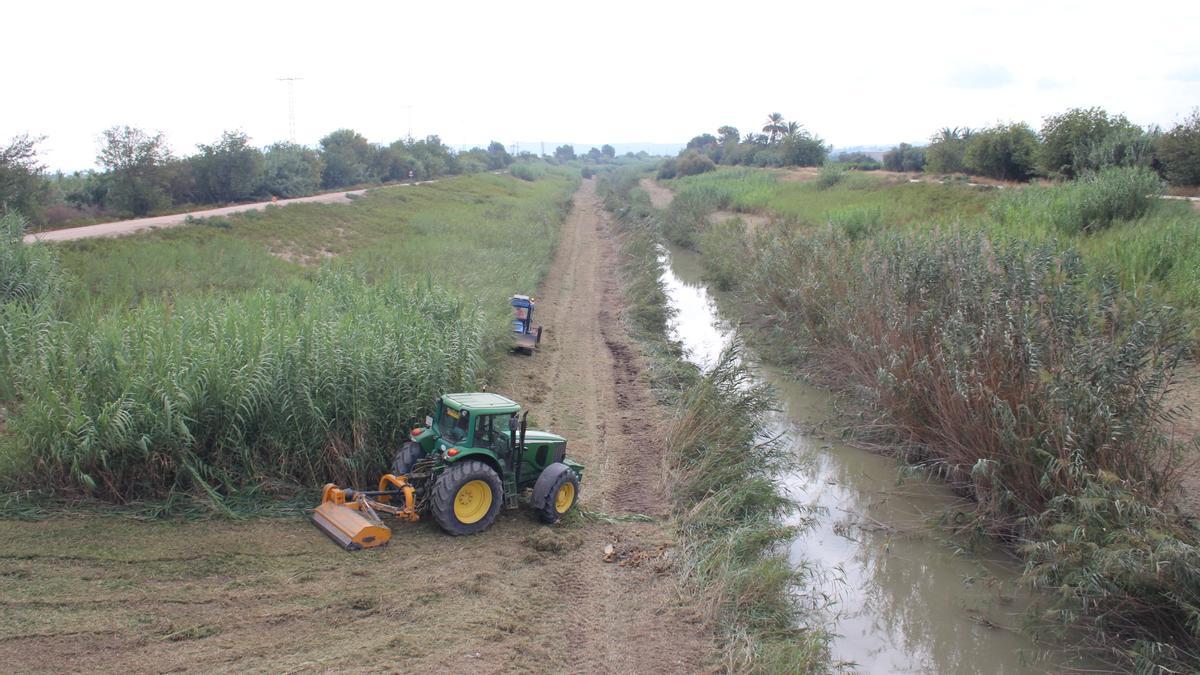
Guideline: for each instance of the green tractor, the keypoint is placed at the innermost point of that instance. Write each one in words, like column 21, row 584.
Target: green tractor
column 473, row 456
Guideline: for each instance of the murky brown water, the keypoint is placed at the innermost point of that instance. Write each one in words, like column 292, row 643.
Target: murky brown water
column 904, row 600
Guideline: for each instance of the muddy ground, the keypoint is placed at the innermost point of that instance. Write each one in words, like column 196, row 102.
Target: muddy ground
column 114, row 594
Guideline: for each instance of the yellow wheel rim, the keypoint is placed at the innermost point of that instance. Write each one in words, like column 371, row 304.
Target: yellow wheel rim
column 564, row 498
column 473, row 501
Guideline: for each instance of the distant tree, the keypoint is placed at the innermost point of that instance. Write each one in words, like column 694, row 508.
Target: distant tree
column 728, row 134
column 1125, row 146
column 702, row 142
column 564, row 153
column 1179, row 151
column 23, row 185
column 291, row 170
column 136, row 163
column 229, row 170
column 792, row 129
column 947, row 150
column 84, row 189
column 857, row 158
column 594, row 154
column 692, row 163
column 608, row 151
column 1067, row 138
column 434, row 157
column 348, row 157
column 775, row 127
column 904, row 157
column 800, row 149
column 497, row 156
column 1004, row 152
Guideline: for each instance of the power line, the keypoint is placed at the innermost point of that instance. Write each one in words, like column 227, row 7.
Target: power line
column 291, row 85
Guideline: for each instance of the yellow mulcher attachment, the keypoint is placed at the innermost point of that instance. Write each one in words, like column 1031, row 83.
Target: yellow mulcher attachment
column 351, row 517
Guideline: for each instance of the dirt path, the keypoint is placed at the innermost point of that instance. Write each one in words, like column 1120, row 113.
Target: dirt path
column 123, row 227
column 112, row 594
column 660, row 197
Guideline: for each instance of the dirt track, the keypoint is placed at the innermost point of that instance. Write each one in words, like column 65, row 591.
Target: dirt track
column 123, row 227
column 113, row 594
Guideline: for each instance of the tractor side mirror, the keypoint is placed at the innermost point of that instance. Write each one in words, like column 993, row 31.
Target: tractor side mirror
column 512, row 423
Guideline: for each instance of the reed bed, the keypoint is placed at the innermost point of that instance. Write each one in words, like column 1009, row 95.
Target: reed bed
column 1032, row 383
column 316, row 383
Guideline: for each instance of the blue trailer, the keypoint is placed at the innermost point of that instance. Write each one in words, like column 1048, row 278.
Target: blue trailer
column 527, row 335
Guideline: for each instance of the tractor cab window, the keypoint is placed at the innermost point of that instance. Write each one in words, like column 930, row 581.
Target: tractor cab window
column 454, row 424
column 492, row 432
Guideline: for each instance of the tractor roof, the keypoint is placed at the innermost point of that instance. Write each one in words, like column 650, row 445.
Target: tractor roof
column 483, row 403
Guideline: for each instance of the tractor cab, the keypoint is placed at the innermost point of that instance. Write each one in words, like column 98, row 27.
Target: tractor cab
column 526, row 335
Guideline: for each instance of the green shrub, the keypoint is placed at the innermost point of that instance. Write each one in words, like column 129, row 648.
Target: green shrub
column 687, row 215
column 1179, row 151
column 725, row 248
column 587, row 172
column 528, row 171
column 947, row 150
column 904, row 157
column 855, row 222
column 1091, row 203
column 830, row 175
column 28, row 274
column 1004, row 152
column 693, row 163
column 667, row 170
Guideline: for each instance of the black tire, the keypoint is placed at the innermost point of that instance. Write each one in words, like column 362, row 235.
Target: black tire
column 406, row 457
column 446, row 494
column 538, row 341
column 555, row 493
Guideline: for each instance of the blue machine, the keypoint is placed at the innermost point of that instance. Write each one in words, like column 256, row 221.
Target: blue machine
column 527, row 336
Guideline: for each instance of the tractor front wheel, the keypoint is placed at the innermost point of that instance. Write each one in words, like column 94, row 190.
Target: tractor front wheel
column 466, row 498
column 555, row 493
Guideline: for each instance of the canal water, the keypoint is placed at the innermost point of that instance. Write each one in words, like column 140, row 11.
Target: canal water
column 902, row 598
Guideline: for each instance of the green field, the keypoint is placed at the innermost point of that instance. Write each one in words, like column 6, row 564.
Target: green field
column 1155, row 252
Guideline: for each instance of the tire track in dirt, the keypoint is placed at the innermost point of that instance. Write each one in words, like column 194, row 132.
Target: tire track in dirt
column 275, row 595
column 585, row 383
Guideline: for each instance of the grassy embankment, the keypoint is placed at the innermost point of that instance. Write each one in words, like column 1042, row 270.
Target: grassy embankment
column 729, row 505
column 1007, row 343
column 231, row 357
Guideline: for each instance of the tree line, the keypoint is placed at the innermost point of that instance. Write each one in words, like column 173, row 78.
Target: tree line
column 1068, row 145
column 779, row 143
column 140, row 175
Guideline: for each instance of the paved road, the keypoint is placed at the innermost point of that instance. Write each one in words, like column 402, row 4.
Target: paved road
column 122, row 227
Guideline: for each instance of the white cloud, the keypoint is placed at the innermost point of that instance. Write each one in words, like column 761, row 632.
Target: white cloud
column 870, row 72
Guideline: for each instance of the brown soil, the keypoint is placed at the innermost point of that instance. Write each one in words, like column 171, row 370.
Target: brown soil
column 753, row 221
column 660, row 197
column 115, row 594
column 119, row 228
column 1186, row 429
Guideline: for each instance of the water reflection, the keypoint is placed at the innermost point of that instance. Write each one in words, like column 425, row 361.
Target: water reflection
column 904, row 601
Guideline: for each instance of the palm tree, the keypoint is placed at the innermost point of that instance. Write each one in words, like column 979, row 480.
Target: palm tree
column 775, row 126
column 792, row 129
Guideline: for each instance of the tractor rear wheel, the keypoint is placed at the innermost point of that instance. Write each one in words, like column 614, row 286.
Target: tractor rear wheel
column 466, row 498
column 555, row 493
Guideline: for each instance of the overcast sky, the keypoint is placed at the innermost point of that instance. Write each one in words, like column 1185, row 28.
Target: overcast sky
column 853, row 72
